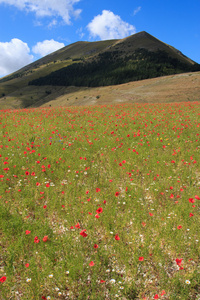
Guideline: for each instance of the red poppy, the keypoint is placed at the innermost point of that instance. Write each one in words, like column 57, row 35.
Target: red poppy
column 141, row 258
column 36, row 240
column 96, row 246
column 178, row 261
column 97, row 190
column 97, row 216
column 27, row 265
column 156, row 296
column 28, row 232
column 77, row 225
column 197, row 197
column 191, row 200
column 191, row 215
column 117, row 194
column 3, row 279
column 45, row 238
column 99, row 210
column 91, row 264
column 117, row 237
column 179, row 227
column 83, row 233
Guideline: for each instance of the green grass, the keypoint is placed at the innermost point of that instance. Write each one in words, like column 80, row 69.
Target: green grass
column 138, row 164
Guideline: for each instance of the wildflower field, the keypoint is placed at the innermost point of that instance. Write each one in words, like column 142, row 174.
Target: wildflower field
column 100, row 202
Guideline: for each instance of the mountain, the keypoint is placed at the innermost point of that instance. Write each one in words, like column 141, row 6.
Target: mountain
column 137, row 57
column 93, row 64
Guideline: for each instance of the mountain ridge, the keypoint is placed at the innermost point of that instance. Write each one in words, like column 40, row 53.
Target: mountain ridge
column 99, row 63
column 139, row 56
column 59, row 54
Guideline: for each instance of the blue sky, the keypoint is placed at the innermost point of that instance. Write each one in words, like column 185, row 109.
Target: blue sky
column 30, row 29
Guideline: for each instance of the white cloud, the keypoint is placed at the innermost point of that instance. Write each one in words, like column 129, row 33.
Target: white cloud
column 13, row 56
column 137, row 10
column 52, row 23
column 52, row 8
column 109, row 26
column 46, row 47
column 80, row 32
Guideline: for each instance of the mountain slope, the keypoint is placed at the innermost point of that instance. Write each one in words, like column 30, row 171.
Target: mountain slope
column 75, row 51
column 172, row 88
column 146, row 41
column 136, row 57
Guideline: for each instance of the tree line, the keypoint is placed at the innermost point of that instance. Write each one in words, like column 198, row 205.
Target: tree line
column 111, row 68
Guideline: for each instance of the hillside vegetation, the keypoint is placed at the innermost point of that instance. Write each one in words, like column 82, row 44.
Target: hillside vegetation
column 92, row 64
column 171, row 88
column 111, row 68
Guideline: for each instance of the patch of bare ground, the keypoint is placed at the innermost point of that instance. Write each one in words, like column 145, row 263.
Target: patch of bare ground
column 173, row 88
column 166, row 89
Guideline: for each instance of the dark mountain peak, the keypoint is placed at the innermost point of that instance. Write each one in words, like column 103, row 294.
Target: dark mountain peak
column 142, row 34
column 83, row 63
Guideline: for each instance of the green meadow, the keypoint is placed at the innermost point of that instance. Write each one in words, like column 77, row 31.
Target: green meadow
column 100, row 202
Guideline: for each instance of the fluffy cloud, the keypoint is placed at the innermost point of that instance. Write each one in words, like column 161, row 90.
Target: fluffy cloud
column 46, row 47
column 137, row 10
column 42, row 8
column 109, row 26
column 14, row 55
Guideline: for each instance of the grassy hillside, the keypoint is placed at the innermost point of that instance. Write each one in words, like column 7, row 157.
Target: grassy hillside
column 137, row 57
column 86, row 64
column 58, row 59
column 114, row 67
column 172, row 88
